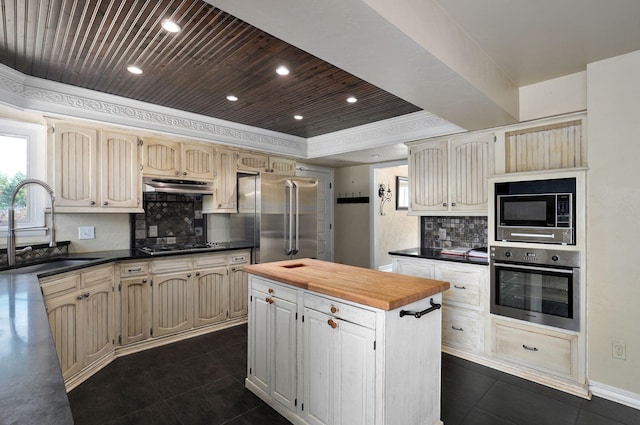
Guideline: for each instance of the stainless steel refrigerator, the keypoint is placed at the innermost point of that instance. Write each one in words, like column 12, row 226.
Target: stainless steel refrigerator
column 278, row 214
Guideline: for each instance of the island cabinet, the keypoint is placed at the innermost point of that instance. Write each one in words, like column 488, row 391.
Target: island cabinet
column 450, row 175
column 324, row 350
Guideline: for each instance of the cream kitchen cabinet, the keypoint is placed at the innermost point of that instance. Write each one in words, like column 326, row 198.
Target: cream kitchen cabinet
column 81, row 316
column 189, row 160
column 210, row 290
column 226, row 184
column 464, row 303
column 172, row 296
column 272, row 357
column 95, row 171
column 450, row 175
column 338, row 363
column 262, row 163
column 135, row 302
column 238, row 285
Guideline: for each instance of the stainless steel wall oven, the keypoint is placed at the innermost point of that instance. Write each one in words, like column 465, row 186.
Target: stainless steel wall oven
column 536, row 285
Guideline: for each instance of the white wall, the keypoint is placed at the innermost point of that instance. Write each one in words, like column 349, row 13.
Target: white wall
column 613, row 185
column 394, row 230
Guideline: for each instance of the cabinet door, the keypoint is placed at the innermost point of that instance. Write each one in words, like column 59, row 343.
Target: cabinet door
column 211, row 289
column 198, row 161
column 471, row 165
column 161, row 158
column 98, row 321
column 428, row 176
column 64, row 320
column 238, row 291
column 120, row 182
column 283, row 352
column 250, row 161
column 135, row 310
column 172, row 303
column 282, row 166
column 339, row 368
column 259, row 341
column 225, row 182
column 76, row 173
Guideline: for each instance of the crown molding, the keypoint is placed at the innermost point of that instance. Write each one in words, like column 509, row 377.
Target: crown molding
column 62, row 100
column 414, row 126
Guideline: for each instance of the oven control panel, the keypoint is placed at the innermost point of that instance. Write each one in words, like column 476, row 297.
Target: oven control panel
column 554, row 257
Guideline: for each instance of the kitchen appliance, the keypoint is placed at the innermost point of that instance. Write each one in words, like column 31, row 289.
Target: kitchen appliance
column 536, row 285
column 177, row 185
column 540, row 211
column 184, row 247
column 278, row 215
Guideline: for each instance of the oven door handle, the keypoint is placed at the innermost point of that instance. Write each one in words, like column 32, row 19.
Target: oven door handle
column 543, row 269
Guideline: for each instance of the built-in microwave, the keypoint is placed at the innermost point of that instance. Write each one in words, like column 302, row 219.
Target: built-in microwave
column 539, row 211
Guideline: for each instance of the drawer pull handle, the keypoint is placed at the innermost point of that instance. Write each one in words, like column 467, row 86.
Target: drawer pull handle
column 137, row 269
column 334, row 309
column 459, row 287
column 529, row 348
column 457, row 329
column 419, row 314
column 269, row 300
column 332, row 324
column 271, row 291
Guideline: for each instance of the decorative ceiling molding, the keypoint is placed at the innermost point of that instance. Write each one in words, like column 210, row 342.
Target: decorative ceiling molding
column 415, row 126
column 52, row 98
column 61, row 100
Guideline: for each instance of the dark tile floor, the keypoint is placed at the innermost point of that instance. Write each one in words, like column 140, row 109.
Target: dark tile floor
column 200, row 381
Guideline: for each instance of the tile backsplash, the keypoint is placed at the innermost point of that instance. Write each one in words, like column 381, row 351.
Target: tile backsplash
column 447, row 232
column 38, row 253
column 169, row 218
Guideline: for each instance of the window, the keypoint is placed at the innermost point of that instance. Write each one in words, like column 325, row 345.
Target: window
column 23, row 148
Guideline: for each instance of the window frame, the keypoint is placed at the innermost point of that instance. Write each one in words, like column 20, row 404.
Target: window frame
column 36, row 136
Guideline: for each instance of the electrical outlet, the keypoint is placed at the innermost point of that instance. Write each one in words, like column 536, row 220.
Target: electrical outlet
column 619, row 350
column 86, row 232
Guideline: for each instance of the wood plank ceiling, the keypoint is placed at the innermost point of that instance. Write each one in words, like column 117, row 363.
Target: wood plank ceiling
column 90, row 43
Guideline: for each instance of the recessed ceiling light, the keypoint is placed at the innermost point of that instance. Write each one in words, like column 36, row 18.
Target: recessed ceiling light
column 232, row 98
column 134, row 69
column 298, row 117
column 375, row 155
column 352, row 99
column 170, row 26
column 282, row 70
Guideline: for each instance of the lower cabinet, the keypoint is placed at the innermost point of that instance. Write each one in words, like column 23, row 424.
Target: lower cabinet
column 272, row 341
column 81, row 313
column 320, row 360
column 172, row 298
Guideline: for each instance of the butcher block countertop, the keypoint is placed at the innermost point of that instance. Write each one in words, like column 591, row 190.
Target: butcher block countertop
column 383, row 290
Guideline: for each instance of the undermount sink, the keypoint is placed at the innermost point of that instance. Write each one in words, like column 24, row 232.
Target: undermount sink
column 51, row 265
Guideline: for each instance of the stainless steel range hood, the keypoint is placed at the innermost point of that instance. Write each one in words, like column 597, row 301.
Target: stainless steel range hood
column 157, row 184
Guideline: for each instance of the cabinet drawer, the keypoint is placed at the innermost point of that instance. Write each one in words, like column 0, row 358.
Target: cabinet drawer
column 96, row 276
column 134, row 269
column 240, row 257
column 170, row 265
column 465, row 286
column 59, row 285
column 274, row 289
column 210, row 260
column 418, row 268
column 357, row 315
column 553, row 352
column 462, row 329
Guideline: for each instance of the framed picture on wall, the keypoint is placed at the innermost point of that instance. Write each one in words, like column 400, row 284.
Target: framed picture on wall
column 402, row 193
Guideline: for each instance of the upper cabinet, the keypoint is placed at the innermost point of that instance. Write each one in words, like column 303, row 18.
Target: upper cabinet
column 449, row 176
column 224, row 197
column 545, row 147
column 262, row 163
column 95, row 171
column 165, row 158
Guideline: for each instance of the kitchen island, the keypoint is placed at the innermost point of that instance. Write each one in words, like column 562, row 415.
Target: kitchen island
column 331, row 343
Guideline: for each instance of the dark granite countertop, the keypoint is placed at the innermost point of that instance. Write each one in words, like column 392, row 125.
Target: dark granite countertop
column 31, row 386
column 435, row 254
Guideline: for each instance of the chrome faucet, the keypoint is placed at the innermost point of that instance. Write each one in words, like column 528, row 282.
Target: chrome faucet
column 11, row 235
